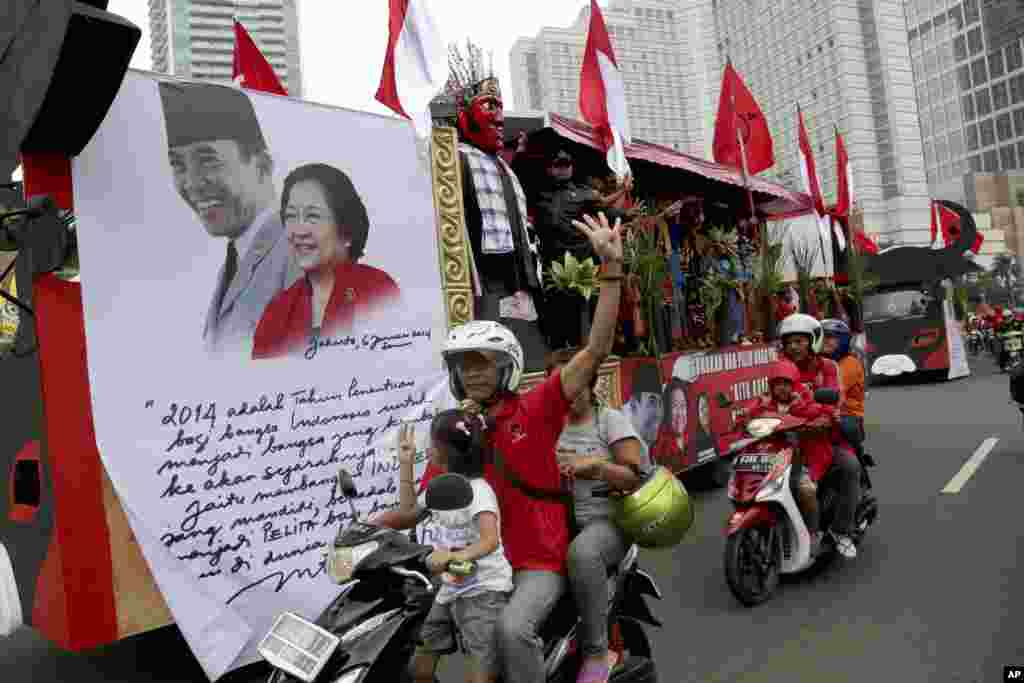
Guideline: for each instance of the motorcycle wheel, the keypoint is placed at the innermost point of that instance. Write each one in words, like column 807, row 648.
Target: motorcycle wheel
column 752, row 559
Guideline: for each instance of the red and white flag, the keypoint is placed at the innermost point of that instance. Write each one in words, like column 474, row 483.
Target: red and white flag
column 812, row 183
column 741, row 125
column 250, row 69
column 844, row 198
column 603, row 94
column 415, row 63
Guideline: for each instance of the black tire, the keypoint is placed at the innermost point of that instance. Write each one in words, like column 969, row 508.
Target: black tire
column 752, row 579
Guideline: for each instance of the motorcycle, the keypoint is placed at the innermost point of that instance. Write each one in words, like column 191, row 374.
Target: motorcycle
column 369, row 632
column 975, row 342
column 766, row 535
column 1011, row 348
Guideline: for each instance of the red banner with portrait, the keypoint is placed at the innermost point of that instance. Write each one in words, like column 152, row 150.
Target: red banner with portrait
column 683, row 406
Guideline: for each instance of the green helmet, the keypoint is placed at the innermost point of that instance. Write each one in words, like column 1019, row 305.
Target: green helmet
column 658, row 513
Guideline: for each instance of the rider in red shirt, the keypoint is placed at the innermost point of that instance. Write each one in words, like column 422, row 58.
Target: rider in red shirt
column 485, row 365
column 802, row 338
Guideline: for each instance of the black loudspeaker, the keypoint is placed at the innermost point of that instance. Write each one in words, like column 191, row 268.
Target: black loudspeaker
column 93, row 60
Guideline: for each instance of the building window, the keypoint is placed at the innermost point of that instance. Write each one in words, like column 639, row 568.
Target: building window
column 974, row 43
column 953, row 114
column 931, row 63
column 1013, row 57
column 972, row 138
column 987, row 132
column 1000, row 97
column 1018, row 121
column 1008, row 157
column 1020, row 150
column 979, row 72
column 971, row 12
column 991, row 161
column 1003, row 127
column 941, row 152
column 984, row 102
column 939, row 117
column 975, row 162
column 996, row 67
column 949, row 88
column 956, row 16
column 960, row 48
column 963, row 77
column 970, row 113
column 1017, row 88
column 956, row 145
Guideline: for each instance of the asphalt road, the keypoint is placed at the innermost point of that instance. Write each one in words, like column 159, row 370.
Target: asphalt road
column 935, row 595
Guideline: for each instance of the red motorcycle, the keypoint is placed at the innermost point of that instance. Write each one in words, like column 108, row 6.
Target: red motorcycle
column 766, row 535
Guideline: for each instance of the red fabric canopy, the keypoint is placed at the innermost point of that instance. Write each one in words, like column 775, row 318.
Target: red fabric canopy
column 775, row 199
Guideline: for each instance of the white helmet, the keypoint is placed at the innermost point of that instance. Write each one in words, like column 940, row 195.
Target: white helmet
column 484, row 335
column 800, row 323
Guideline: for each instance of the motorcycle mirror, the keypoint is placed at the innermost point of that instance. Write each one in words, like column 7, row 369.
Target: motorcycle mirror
column 449, row 492
column 346, row 485
column 828, row 397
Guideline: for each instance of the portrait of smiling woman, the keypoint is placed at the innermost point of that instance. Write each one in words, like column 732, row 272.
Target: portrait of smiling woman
column 326, row 226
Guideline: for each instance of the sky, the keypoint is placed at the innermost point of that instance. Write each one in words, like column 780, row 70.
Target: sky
column 342, row 42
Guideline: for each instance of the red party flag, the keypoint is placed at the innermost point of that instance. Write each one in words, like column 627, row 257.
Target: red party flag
column 740, row 117
column 251, row 69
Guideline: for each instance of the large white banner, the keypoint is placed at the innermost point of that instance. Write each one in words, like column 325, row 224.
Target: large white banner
column 229, row 389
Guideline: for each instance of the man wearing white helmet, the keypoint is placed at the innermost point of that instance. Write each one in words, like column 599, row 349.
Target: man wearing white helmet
column 485, row 364
column 802, row 340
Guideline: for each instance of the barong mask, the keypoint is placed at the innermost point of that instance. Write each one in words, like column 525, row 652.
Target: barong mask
column 481, row 115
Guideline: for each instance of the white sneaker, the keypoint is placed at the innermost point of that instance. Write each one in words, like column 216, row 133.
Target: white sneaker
column 845, row 545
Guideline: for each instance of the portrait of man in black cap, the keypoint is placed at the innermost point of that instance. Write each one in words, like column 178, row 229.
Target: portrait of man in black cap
column 644, row 404
column 224, row 172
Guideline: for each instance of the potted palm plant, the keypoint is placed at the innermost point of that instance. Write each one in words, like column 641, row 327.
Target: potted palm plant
column 573, row 275
column 768, row 276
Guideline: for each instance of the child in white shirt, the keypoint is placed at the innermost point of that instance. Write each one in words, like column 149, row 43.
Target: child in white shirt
column 468, row 606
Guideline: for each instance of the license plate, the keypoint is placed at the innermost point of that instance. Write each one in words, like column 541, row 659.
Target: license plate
column 758, row 463
column 298, row 647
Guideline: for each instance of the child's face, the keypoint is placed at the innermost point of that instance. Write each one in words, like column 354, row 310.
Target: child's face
column 782, row 391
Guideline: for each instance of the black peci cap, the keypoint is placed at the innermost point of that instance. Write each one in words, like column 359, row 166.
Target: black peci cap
column 200, row 112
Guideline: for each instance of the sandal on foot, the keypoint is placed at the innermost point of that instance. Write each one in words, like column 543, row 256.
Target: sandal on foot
column 594, row 672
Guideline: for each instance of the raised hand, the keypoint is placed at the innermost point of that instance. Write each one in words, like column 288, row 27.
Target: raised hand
column 407, row 444
column 606, row 240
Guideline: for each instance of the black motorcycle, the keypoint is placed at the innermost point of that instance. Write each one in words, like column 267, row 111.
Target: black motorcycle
column 369, row 632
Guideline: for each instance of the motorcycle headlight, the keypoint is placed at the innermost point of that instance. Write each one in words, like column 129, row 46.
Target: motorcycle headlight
column 342, row 562
column 351, row 676
column 763, row 426
column 371, row 624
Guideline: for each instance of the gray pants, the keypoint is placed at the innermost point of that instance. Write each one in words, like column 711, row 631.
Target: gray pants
column 597, row 547
column 849, row 490
column 522, row 651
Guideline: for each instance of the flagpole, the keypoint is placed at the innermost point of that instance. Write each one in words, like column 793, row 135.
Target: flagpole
column 746, row 179
column 821, row 240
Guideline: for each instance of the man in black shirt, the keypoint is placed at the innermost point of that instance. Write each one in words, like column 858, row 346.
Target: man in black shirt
column 556, row 204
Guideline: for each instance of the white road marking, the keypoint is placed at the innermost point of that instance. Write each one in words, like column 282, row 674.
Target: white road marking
column 971, row 466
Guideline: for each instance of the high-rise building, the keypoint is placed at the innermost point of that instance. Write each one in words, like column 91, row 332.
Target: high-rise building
column 969, row 69
column 659, row 46
column 847, row 64
column 195, row 38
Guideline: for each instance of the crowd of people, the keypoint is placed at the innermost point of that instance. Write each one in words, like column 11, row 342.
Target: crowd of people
column 535, row 529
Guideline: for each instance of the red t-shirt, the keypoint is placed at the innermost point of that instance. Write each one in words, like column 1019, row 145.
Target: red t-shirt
column 820, row 373
column 535, row 533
